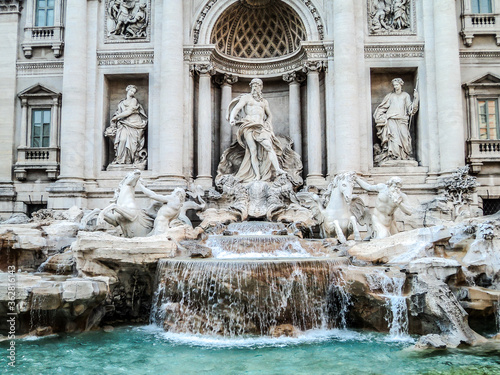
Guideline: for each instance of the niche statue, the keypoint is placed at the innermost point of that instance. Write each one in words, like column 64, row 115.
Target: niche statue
column 393, row 120
column 258, row 154
column 126, row 131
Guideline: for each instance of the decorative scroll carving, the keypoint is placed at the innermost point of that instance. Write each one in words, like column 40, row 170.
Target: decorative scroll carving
column 10, row 6
column 390, row 17
column 204, row 69
column 297, row 76
column 127, row 20
column 225, row 79
column 314, row 65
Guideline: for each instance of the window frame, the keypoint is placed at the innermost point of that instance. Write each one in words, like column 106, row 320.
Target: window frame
column 476, row 6
column 46, row 9
column 41, row 137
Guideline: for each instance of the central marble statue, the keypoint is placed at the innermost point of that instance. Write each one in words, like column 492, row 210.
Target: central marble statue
column 258, row 154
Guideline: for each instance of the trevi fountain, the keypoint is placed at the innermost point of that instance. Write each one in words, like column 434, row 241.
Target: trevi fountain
column 250, row 187
column 262, row 273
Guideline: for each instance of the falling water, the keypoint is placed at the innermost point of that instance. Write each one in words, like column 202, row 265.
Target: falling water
column 258, row 228
column 256, row 246
column 497, row 314
column 397, row 310
column 235, row 298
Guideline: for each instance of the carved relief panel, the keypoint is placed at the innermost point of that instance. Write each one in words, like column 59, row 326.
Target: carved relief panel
column 391, row 17
column 127, row 21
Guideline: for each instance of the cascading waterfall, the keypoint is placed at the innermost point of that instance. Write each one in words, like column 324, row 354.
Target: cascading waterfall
column 497, row 314
column 397, row 310
column 252, row 297
column 255, row 228
column 256, row 246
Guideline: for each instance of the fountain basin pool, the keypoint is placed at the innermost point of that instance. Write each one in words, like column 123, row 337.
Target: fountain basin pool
column 150, row 350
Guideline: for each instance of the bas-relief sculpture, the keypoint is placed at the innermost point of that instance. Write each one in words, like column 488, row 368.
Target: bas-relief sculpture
column 393, row 119
column 127, row 132
column 128, row 19
column 386, row 16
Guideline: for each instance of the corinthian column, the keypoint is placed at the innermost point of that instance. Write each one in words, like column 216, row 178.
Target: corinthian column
column 170, row 126
column 347, row 143
column 74, row 100
column 314, row 141
column 226, row 82
column 204, row 130
column 448, row 90
column 294, row 111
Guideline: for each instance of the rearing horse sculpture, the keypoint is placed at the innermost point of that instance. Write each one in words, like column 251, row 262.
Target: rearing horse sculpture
column 342, row 213
column 124, row 211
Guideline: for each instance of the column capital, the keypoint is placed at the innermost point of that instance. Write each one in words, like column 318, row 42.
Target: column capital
column 225, row 79
column 294, row 77
column 314, row 66
column 203, row 69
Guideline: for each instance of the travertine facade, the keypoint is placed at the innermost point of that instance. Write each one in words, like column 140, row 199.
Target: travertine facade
column 325, row 65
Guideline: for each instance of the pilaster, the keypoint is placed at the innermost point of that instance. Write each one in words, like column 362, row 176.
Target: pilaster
column 9, row 20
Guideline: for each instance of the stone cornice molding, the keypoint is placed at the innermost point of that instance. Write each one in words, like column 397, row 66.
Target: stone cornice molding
column 49, row 68
column 125, row 57
column 226, row 79
column 10, row 6
column 379, row 51
column 479, row 54
column 248, row 68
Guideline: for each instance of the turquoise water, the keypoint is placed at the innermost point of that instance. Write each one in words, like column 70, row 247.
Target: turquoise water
column 149, row 350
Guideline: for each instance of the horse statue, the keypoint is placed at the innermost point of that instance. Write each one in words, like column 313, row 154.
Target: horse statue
column 340, row 216
column 124, row 211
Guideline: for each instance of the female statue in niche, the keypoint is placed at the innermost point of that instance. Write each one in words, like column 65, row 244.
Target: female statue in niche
column 393, row 121
column 127, row 131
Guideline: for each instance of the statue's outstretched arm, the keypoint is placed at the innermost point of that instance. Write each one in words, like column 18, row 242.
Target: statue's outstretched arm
column 365, row 185
column 151, row 194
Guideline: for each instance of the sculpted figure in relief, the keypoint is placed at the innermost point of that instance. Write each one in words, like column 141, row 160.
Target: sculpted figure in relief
column 393, row 121
column 258, row 155
column 127, row 131
column 129, row 17
column 389, row 199
column 389, row 15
